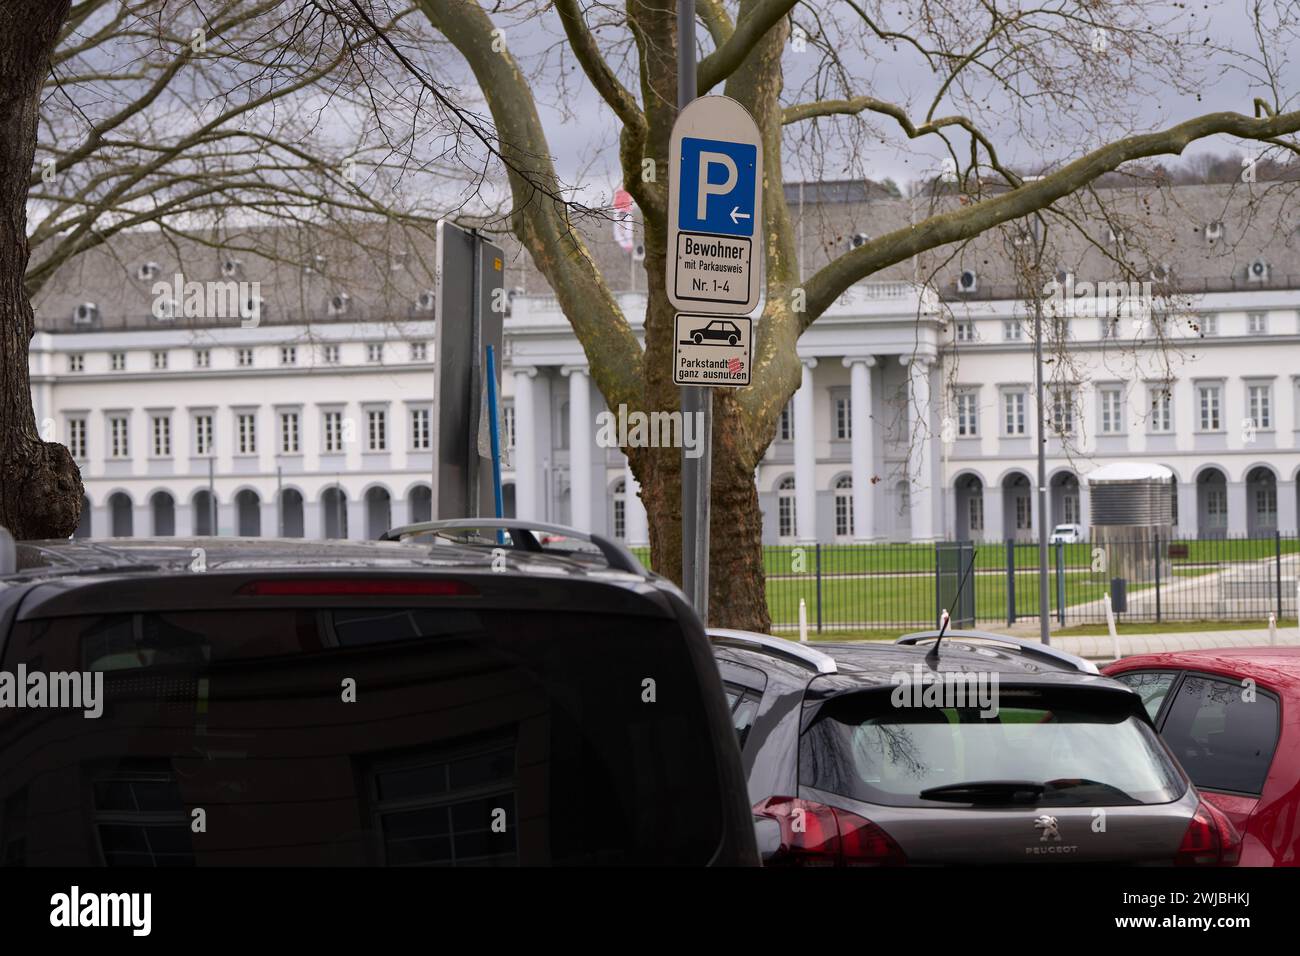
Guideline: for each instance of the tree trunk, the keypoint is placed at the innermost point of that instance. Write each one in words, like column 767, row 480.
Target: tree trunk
column 40, row 485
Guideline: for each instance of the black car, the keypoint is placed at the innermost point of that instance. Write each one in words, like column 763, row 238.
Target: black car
column 986, row 750
column 457, row 695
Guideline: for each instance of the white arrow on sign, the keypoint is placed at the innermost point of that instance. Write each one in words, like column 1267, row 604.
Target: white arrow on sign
column 737, row 215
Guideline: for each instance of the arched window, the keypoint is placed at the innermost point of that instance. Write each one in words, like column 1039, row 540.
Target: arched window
column 785, row 513
column 844, row 506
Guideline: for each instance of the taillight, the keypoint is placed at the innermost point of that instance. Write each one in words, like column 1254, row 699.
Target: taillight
column 360, row 587
column 1210, row 840
column 813, row 834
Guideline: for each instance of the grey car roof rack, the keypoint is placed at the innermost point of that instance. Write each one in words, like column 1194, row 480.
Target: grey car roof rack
column 617, row 557
column 1027, row 648
column 819, row 661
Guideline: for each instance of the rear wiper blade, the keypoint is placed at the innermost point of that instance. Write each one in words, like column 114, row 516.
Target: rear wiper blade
column 986, row 791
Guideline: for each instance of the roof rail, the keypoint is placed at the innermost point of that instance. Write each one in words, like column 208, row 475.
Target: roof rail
column 8, row 552
column 819, row 661
column 617, row 557
column 1028, row 648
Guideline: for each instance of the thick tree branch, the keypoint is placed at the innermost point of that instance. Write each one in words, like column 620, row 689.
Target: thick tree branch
column 750, row 29
column 540, row 219
column 833, row 279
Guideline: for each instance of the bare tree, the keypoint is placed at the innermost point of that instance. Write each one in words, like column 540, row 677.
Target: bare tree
column 992, row 69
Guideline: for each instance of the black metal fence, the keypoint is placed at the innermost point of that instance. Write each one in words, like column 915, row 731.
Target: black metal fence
column 1148, row 579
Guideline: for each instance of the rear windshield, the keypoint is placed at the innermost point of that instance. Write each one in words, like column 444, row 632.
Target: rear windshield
column 377, row 736
column 864, row 748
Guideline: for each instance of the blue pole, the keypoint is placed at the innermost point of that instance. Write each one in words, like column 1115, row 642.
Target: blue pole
column 495, row 431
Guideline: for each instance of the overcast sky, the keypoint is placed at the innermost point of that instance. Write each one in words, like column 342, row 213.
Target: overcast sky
column 586, row 152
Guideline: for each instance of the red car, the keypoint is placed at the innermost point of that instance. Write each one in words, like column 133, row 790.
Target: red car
column 1232, row 718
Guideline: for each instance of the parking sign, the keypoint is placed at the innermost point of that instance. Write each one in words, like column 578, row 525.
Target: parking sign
column 713, row 350
column 715, row 208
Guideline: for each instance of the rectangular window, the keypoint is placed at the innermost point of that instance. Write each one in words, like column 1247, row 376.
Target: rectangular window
column 843, row 418
column 1013, row 413
column 421, row 433
column 289, row 443
column 509, row 416
column 202, row 358
column 161, row 429
column 76, row 362
column 419, row 351
column 843, row 513
column 967, row 415
column 374, row 352
column 1112, row 411
column 333, row 432
column 77, row 437
column 288, row 355
column 158, row 360
column 376, row 430
column 1266, row 505
column 1211, row 405
column 1259, row 401
column 1216, row 507
column 246, row 433
column 785, row 514
column 965, row 331
column 1023, row 512
column 1063, row 411
column 1161, row 421
column 245, row 358
column 203, row 434
column 331, row 354
column 1257, row 323
column 117, row 361
column 976, row 505
column 785, row 425
column 1209, row 324
column 119, row 445
column 1012, row 330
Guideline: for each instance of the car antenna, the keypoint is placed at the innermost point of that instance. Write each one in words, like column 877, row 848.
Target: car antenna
column 943, row 625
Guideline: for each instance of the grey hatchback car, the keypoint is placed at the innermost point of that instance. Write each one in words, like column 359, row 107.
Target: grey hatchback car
column 978, row 749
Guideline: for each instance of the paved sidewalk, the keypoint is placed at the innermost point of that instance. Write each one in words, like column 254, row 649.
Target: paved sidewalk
column 1101, row 647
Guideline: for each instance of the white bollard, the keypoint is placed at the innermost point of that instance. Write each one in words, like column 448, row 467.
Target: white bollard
column 1110, row 624
column 803, row 622
column 1272, row 629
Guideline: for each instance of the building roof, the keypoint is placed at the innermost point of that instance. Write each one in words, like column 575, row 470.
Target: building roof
column 1205, row 238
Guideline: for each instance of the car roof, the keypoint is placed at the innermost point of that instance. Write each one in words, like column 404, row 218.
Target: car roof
column 96, row 558
column 874, row 663
column 1277, row 666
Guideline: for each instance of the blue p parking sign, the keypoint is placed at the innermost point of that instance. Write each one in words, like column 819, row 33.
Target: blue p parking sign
column 718, row 186
column 715, row 204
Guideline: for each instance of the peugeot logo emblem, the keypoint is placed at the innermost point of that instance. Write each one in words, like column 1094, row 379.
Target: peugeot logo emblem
column 1051, row 832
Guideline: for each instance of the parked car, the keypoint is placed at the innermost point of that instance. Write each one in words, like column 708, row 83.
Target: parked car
column 843, row 772
column 1066, row 534
column 1232, row 718
column 458, row 695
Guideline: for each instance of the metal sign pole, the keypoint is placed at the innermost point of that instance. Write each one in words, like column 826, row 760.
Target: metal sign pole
column 696, row 401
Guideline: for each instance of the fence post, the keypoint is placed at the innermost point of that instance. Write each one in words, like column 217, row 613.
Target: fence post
column 938, row 597
column 1277, row 548
column 817, row 557
column 1011, row 581
column 1060, row 582
column 1158, row 556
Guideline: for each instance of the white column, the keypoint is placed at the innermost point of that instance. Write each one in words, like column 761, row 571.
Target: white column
column 1286, row 507
column 1238, row 504
column 635, row 525
column 1187, row 510
column 861, row 445
column 526, row 473
column 1085, row 506
column 919, row 439
column 580, row 441
column 805, row 457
